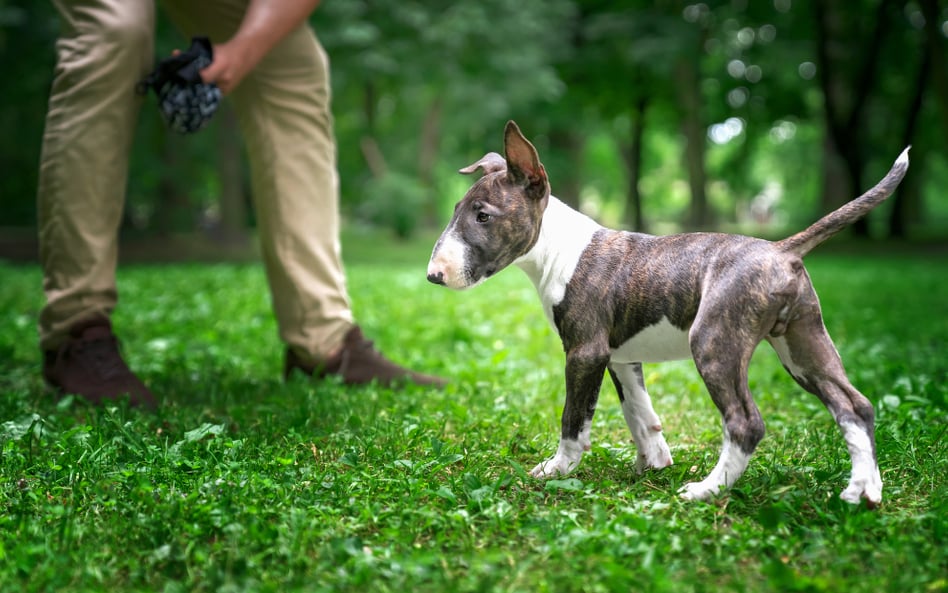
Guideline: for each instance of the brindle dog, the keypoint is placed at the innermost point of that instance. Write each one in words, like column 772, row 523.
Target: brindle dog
column 619, row 299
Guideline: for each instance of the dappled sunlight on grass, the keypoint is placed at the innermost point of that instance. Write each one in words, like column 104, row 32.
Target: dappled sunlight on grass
column 243, row 481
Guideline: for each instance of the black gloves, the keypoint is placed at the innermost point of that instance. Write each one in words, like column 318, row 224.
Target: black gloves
column 186, row 103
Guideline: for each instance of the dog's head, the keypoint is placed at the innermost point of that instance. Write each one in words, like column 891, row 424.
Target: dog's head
column 498, row 220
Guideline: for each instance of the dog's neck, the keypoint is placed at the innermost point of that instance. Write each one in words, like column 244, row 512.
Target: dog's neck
column 564, row 235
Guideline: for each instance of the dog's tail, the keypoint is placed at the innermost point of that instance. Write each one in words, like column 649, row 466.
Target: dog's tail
column 804, row 241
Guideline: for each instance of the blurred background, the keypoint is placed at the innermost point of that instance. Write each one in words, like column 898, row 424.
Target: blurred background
column 752, row 116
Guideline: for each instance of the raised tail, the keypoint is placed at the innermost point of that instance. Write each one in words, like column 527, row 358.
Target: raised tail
column 804, row 241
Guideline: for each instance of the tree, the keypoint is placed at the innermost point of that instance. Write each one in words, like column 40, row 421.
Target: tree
column 418, row 68
column 848, row 65
column 719, row 98
column 621, row 69
column 931, row 75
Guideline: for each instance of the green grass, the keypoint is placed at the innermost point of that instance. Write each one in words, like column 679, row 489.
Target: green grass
column 244, row 483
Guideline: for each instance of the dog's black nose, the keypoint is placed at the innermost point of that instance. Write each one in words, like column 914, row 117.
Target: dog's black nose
column 436, row 278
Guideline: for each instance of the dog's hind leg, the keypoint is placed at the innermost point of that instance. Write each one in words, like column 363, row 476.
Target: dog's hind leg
column 722, row 359
column 643, row 422
column 808, row 354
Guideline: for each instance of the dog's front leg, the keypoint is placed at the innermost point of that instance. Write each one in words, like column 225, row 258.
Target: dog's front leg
column 585, row 367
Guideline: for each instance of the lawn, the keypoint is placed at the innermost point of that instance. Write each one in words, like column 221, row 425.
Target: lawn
column 245, row 483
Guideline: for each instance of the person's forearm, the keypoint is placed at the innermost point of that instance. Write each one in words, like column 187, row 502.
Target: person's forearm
column 267, row 22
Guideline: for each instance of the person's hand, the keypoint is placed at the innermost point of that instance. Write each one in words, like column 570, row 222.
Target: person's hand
column 232, row 62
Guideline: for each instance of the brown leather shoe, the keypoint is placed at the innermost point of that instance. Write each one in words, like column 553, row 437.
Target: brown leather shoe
column 90, row 365
column 358, row 363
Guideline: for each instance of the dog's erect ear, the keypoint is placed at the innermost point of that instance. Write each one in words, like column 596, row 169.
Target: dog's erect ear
column 523, row 162
column 489, row 163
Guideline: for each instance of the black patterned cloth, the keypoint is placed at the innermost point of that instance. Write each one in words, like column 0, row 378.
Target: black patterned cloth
column 186, row 103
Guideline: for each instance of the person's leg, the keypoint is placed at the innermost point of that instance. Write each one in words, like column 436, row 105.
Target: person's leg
column 104, row 48
column 283, row 107
column 284, row 114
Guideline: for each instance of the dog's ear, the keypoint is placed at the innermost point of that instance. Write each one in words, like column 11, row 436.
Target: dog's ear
column 489, row 163
column 523, row 162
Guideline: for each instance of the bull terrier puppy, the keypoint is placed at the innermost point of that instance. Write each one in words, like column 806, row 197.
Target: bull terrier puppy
column 619, row 299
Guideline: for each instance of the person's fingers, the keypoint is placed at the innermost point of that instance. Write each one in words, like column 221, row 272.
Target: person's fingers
column 208, row 75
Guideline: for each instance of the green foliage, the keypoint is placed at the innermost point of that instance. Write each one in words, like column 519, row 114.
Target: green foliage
column 27, row 34
column 430, row 85
column 242, row 482
column 394, row 201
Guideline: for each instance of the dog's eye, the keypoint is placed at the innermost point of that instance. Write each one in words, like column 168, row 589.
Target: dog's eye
column 483, row 217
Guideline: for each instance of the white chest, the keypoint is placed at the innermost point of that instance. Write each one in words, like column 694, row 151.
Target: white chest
column 564, row 235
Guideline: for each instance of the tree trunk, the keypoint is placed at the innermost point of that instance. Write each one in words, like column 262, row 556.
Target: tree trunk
column 835, row 186
column 371, row 151
column 939, row 60
column 845, row 97
column 693, row 128
column 170, row 201
column 908, row 192
column 427, row 158
column 233, row 200
column 907, row 206
column 563, row 163
column 852, row 158
column 633, row 159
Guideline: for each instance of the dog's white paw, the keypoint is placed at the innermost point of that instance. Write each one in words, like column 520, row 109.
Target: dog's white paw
column 867, row 487
column 699, row 490
column 653, row 455
column 567, row 457
column 558, row 465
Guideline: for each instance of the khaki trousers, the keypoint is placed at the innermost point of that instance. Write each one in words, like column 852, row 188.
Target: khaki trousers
column 283, row 107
